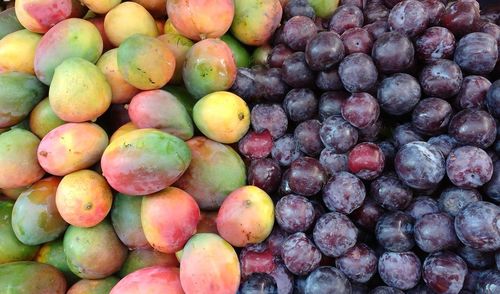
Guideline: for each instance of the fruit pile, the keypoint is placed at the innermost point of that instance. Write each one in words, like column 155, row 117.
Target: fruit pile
column 247, row 146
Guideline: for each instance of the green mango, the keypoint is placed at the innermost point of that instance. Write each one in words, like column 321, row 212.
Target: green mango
column 9, row 22
column 102, row 286
column 53, row 253
column 29, row 277
column 240, row 53
column 126, row 219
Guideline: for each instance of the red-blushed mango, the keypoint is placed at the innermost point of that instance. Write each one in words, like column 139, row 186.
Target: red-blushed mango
column 53, row 253
column 102, row 286
column 18, row 159
column 31, row 277
column 17, row 51
column 240, row 53
column 101, row 6
column 128, row 19
column 207, row 223
column 79, row 91
column 144, row 161
column 161, row 110
column 246, row 216
column 209, row 265
column 95, row 252
column 72, row 147
column 157, row 8
column 201, row 19
column 169, row 218
column 84, row 198
column 142, row 258
column 255, row 21
column 126, row 220
column 9, row 22
column 222, row 116
column 19, row 94
column 145, row 62
column 179, row 46
column 13, row 193
column 11, row 249
column 209, row 67
column 35, row 218
column 122, row 91
column 40, row 15
column 322, row 8
column 155, row 279
column 43, row 119
column 126, row 128
column 70, row 38
column 215, row 171
column 98, row 22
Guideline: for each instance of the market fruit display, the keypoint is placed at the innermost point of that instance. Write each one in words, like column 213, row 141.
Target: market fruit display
column 249, row 147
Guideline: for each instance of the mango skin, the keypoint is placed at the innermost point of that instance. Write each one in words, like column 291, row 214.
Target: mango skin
column 179, row 46
column 126, row 219
column 101, row 6
column 35, row 218
column 324, row 8
column 28, row 277
column 98, row 22
column 19, row 94
column 222, row 116
column 161, row 110
column 169, row 219
column 72, row 147
column 215, row 171
column 18, row 160
column 11, row 249
column 126, row 128
column 255, row 22
column 201, row 19
column 9, row 22
column 13, row 193
column 69, row 38
column 183, row 96
column 102, row 286
column 260, row 55
column 142, row 258
column 84, row 198
column 145, row 62
column 43, row 119
column 246, row 216
column 209, row 67
column 127, row 19
column 121, row 90
column 155, row 279
column 94, row 253
column 157, row 8
column 240, row 53
column 53, row 253
column 79, row 91
column 144, row 161
column 209, row 265
column 17, row 51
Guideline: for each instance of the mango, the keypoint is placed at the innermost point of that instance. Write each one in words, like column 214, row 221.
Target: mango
column 84, row 198
column 161, row 110
column 102, row 286
column 222, row 116
column 70, row 38
column 170, row 28
column 53, row 253
column 240, row 53
column 101, row 6
column 160, row 25
column 9, row 22
column 183, row 96
column 155, row 279
column 28, row 277
column 122, row 91
column 324, row 8
column 72, row 147
column 157, row 8
column 246, row 216
column 142, row 258
column 79, row 91
column 43, row 119
column 19, row 94
column 17, row 51
column 209, row 67
column 126, row 128
column 127, row 19
column 18, row 160
column 145, row 62
column 179, row 46
column 201, row 19
column 94, row 253
column 24, row 124
column 255, row 21
column 11, row 249
column 35, row 219
column 126, row 219
column 169, row 218
column 260, row 55
column 40, row 15
column 13, row 193
column 207, row 223
column 209, row 265
column 215, row 171
column 144, row 161
column 98, row 22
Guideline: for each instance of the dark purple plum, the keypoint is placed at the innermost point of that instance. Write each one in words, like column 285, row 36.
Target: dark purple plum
column 368, row 214
column 390, row 193
column 435, row 9
column 399, row 93
column 399, row 269
column 284, row 279
column 333, row 162
column 389, row 152
column 371, row 132
column 359, row 3
column 488, row 282
column 473, row 127
column 258, row 283
column 346, row 17
column 492, row 188
column 391, row 3
column 299, row 254
column 269, row 117
column 421, row 206
column 493, row 99
column 256, row 145
column 329, row 80
column 435, row 232
column 297, row 31
column 491, row 29
column 473, row 92
column 284, row 188
column 307, row 176
column 278, row 55
column 286, row 150
column 452, row 200
column 477, row 53
column 298, row 7
column 358, row 72
column 360, row 110
column 435, row 43
column 444, row 143
column 334, row 234
column 461, row 17
column 394, row 231
column 337, row 134
column 275, row 240
column 359, row 263
column 366, row 161
column 444, row 272
column 469, row 167
column 386, row 290
column 470, row 281
column 296, row 72
column 324, row 50
column 244, row 84
column 393, row 52
column 308, row 138
column 327, row 279
column 300, row 285
column 375, row 11
column 330, row 103
column 344, row 192
column 264, row 173
column 475, row 258
column 408, row 17
column 294, row 213
column 270, row 85
column 404, row 134
column 300, row 104
column 431, row 116
column 441, row 78
column 357, row 40
column 377, row 28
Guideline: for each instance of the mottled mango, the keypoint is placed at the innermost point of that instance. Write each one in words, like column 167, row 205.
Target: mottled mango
column 70, row 38
column 17, row 51
column 240, row 53
column 126, row 219
column 155, row 279
column 9, row 22
column 28, row 277
column 102, row 286
column 142, row 258
column 101, row 6
column 53, row 253
column 215, row 171
column 144, row 161
column 179, row 46
column 126, row 128
column 43, row 119
column 79, row 91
